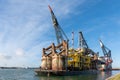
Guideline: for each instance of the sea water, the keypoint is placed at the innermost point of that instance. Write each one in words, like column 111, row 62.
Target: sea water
column 29, row 74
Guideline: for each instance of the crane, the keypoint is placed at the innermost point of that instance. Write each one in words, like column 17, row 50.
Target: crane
column 82, row 42
column 83, row 45
column 60, row 34
column 106, row 51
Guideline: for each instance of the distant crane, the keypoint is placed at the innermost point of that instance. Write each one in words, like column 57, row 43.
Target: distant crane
column 106, row 51
column 83, row 45
column 60, row 34
column 82, row 42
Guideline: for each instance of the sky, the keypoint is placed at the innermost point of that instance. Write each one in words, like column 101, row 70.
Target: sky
column 26, row 27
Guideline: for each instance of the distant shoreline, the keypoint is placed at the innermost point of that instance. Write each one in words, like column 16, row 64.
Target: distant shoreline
column 115, row 68
column 18, row 67
column 35, row 68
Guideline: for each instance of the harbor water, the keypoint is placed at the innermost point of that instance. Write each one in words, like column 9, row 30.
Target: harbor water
column 29, row 74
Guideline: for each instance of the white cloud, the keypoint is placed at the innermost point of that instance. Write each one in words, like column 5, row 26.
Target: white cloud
column 26, row 27
column 5, row 57
column 20, row 52
column 21, row 24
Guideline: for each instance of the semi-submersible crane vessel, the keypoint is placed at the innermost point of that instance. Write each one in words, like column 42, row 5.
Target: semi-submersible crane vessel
column 61, row 60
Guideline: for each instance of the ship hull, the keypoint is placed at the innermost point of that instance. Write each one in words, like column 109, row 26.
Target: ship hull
column 63, row 72
column 106, row 67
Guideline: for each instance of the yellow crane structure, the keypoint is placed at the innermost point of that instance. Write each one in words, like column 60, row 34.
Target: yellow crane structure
column 79, row 59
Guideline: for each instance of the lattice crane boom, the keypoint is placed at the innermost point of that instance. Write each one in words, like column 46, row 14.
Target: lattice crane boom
column 106, row 51
column 82, row 41
column 60, row 34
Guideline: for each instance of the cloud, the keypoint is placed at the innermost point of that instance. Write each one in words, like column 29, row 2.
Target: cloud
column 5, row 57
column 19, row 52
column 66, row 8
column 26, row 27
column 22, row 26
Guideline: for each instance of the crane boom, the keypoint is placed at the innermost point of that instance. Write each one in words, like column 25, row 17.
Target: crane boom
column 106, row 51
column 82, row 43
column 60, row 34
